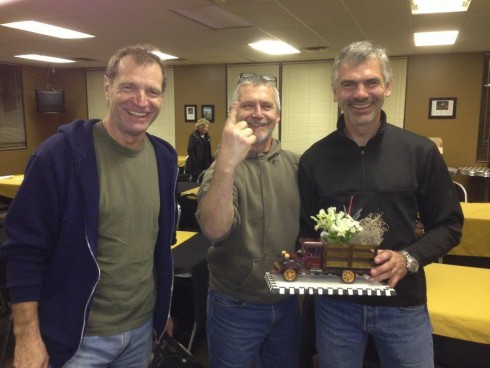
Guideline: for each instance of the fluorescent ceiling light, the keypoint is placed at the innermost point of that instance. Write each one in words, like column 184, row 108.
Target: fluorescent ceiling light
column 274, row 47
column 436, row 38
column 47, row 29
column 163, row 56
column 45, row 58
column 439, row 6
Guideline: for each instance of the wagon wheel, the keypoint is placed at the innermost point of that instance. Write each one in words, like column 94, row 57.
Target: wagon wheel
column 348, row 276
column 289, row 274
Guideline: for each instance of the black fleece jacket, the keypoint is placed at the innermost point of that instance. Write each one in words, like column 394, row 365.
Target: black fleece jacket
column 398, row 173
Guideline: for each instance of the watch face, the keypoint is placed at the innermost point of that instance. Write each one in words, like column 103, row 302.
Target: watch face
column 410, row 265
column 413, row 265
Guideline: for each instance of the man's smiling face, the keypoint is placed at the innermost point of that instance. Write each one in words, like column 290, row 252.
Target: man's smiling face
column 360, row 91
column 257, row 106
column 135, row 97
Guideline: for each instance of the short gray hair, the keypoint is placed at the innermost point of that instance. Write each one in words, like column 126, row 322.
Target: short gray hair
column 359, row 52
column 257, row 80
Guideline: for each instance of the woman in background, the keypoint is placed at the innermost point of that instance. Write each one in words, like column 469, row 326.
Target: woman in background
column 199, row 150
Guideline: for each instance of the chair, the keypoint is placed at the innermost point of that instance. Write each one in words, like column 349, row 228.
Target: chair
column 199, row 178
column 182, row 308
column 190, row 223
column 461, row 191
column 188, row 205
column 185, row 175
column 6, row 316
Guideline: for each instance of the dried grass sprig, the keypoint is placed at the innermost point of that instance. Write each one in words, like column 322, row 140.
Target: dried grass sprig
column 373, row 227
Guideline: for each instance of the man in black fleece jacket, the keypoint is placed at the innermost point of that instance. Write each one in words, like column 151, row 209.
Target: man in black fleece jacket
column 399, row 174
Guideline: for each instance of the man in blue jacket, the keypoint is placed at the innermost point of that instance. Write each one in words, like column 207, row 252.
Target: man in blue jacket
column 89, row 232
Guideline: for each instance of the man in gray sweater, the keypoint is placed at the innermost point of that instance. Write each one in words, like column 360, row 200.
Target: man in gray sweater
column 249, row 207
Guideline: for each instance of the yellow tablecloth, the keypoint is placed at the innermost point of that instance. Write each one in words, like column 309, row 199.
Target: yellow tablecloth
column 459, row 301
column 181, row 161
column 9, row 186
column 190, row 191
column 182, row 236
column 476, row 231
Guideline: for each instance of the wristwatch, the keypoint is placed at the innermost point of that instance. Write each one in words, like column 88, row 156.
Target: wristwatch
column 412, row 264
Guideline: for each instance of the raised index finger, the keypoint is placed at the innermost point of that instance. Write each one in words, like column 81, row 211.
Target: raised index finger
column 231, row 119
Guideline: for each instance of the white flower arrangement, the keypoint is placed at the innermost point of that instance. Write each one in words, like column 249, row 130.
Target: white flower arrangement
column 336, row 226
column 341, row 227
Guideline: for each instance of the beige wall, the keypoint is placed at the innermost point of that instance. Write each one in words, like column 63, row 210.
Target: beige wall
column 199, row 85
column 40, row 126
column 458, row 75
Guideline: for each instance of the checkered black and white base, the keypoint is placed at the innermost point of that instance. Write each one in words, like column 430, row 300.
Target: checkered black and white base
column 327, row 285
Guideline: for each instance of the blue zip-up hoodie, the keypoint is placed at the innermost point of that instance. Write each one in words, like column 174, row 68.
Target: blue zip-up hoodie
column 52, row 228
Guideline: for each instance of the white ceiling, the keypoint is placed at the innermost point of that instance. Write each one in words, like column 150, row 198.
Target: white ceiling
column 302, row 23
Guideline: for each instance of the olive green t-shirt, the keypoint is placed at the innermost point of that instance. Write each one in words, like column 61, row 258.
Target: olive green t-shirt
column 128, row 226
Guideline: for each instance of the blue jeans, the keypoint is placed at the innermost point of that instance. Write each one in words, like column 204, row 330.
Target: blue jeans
column 131, row 349
column 240, row 333
column 403, row 336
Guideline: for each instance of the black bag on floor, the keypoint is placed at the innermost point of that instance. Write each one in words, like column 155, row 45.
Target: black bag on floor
column 171, row 354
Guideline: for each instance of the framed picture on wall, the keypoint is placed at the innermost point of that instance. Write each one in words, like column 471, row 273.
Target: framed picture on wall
column 190, row 113
column 442, row 108
column 207, row 112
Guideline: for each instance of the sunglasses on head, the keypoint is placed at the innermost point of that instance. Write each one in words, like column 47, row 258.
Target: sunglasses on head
column 246, row 76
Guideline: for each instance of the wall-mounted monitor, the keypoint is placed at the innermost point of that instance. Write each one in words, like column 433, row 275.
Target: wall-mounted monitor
column 50, row 101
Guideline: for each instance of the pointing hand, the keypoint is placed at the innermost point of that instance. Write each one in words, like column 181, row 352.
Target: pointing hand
column 237, row 139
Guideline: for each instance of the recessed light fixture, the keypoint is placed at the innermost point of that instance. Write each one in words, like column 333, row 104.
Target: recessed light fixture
column 274, row 47
column 163, row 56
column 47, row 29
column 44, row 58
column 316, row 49
column 439, row 6
column 435, row 38
column 212, row 16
